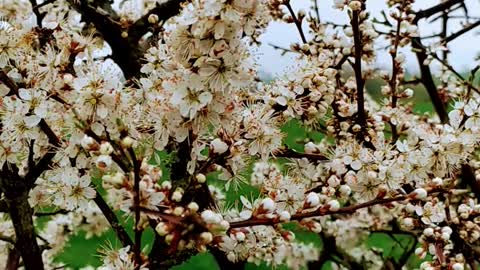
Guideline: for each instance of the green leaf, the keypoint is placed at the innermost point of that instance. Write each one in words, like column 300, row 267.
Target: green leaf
column 202, row 261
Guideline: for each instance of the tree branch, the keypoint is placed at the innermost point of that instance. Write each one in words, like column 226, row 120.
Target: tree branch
column 427, row 79
column 16, row 196
column 357, row 66
column 422, row 14
column 113, row 220
column 297, row 22
column 164, row 11
column 136, row 204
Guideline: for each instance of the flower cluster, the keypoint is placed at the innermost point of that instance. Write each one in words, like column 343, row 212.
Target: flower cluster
column 86, row 136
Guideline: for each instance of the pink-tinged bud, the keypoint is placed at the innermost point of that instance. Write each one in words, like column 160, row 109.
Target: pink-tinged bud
column 166, row 185
column 355, row 5
column 218, row 146
column 193, row 207
column 428, row 232
column 312, row 200
column 162, row 229
column 284, row 216
column 88, row 142
column 103, row 162
column 128, row 142
column 334, row 205
column 240, row 236
column 106, row 148
column 268, row 205
column 437, row 181
column 315, row 227
column 178, row 211
column 177, row 196
column 420, row 194
column 206, row 237
column 201, row 178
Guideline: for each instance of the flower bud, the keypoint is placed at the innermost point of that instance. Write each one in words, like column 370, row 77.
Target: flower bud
column 67, row 78
column 201, row 178
column 420, row 194
column 177, row 196
column 153, row 18
column 128, row 142
column 106, row 148
column 87, row 142
column 345, row 190
column 408, row 222
column 312, row 200
column 334, row 205
column 169, row 238
column 218, row 146
column 428, row 232
column 103, row 162
column 206, row 237
column 166, row 185
column 437, row 181
column 284, row 216
column 240, row 236
column 162, row 229
column 315, row 227
column 178, row 211
column 408, row 93
column 193, row 207
column 268, row 205
column 457, row 266
column 355, row 5
column 310, row 148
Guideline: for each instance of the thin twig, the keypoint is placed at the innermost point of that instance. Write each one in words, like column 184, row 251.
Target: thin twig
column 136, row 205
column 297, row 22
column 357, row 66
column 113, row 220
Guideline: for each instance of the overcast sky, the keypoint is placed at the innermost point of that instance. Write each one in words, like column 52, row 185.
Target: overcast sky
column 464, row 50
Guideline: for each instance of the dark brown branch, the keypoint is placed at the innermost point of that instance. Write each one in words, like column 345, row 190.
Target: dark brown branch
column 422, row 14
column 320, row 212
column 126, row 51
column 136, row 204
column 297, row 22
column 282, row 49
column 8, row 83
column 316, row 9
column 125, row 55
column 288, row 153
column 460, row 33
column 113, row 220
column 36, row 10
column 115, row 157
column 16, row 196
column 46, row 214
column 357, row 66
column 3, row 206
column 468, row 177
column 427, row 79
column 164, row 11
column 13, row 260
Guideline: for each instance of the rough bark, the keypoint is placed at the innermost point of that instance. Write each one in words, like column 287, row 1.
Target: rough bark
column 16, row 190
